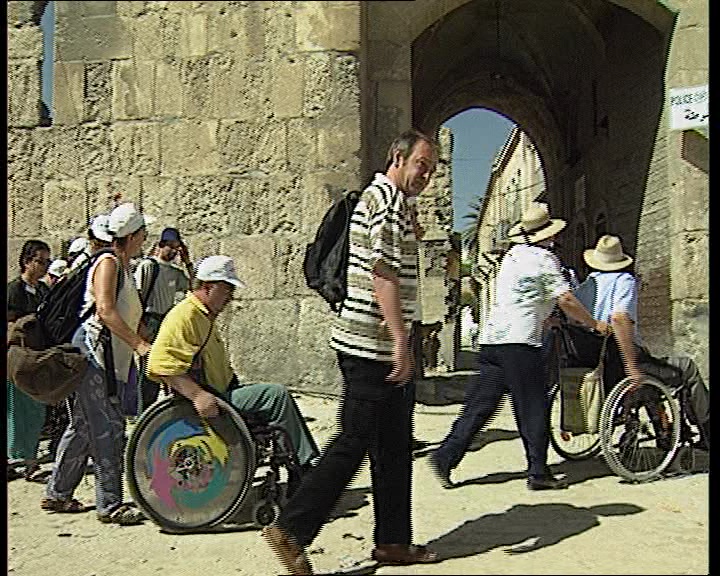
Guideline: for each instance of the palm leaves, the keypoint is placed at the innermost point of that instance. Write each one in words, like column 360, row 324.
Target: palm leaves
column 468, row 234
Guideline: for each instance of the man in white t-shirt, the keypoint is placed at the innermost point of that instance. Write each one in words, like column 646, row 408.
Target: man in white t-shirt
column 529, row 284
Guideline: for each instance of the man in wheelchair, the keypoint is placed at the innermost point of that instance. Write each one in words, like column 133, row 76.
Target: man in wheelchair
column 189, row 355
column 610, row 294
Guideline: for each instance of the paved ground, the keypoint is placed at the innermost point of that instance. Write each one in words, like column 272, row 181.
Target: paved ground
column 490, row 524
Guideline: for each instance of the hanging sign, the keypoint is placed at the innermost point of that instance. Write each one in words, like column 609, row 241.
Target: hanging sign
column 689, row 107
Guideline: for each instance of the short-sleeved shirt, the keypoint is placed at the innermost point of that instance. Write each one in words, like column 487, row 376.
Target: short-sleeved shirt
column 181, row 336
column 170, row 280
column 604, row 293
column 527, row 287
column 381, row 231
column 23, row 299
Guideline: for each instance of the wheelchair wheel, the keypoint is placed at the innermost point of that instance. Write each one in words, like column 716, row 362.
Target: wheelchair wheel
column 568, row 445
column 185, row 472
column 640, row 429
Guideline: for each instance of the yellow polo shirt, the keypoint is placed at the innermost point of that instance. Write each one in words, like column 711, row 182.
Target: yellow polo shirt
column 181, row 335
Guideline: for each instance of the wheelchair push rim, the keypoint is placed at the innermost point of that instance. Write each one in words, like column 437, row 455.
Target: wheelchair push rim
column 640, row 429
column 185, row 472
column 569, row 445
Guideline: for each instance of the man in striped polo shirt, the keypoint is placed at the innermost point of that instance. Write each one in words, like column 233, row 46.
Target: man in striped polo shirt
column 371, row 338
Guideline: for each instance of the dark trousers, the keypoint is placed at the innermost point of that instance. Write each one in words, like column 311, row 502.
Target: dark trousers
column 502, row 367
column 375, row 419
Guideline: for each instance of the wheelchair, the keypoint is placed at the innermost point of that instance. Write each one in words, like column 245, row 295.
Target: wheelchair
column 187, row 473
column 641, row 430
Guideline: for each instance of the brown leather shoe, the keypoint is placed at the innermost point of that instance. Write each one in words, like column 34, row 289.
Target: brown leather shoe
column 290, row 554
column 403, row 554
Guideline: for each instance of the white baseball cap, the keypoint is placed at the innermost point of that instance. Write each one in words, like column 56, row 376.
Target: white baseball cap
column 99, row 227
column 218, row 269
column 126, row 219
column 57, row 267
column 78, row 245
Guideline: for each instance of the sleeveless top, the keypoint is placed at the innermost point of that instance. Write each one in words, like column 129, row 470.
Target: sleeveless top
column 130, row 309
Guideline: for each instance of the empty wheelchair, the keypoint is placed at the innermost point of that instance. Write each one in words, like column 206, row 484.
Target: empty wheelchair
column 187, row 473
column 640, row 429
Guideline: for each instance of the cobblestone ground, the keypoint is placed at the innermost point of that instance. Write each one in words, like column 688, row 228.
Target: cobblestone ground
column 491, row 524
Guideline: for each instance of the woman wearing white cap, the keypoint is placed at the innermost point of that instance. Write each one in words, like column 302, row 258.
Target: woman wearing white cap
column 109, row 338
column 529, row 284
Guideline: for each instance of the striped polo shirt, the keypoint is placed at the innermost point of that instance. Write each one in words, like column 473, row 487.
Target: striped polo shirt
column 381, row 230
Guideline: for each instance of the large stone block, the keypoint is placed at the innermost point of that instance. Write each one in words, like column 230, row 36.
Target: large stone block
column 203, row 204
column 690, row 205
column 691, row 329
column 57, row 153
column 253, row 148
column 238, row 88
column 159, row 198
column 690, row 265
column 287, row 89
column 258, row 338
column 226, row 32
column 20, row 155
column 25, row 42
column 280, row 26
column 189, row 147
column 63, row 206
column 254, row 262
column 197, row 95
column 317, row 362
column 135, row 148
column 265, row 205
column 25, row 208
column 321, row 26
column 168, row 88
column 23, row 93
column 288, row 258
column 193, row 35
column 98, row 91
column 318, row 83
column 96, row 38
column 302, row 145
column 81, row 9
column 339, row 144
column 133, row 87
column 22, row 13
column 94, row 141
column 68, row 93
column 105, row 192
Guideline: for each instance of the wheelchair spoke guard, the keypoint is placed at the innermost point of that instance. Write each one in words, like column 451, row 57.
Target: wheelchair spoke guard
column 186, row 472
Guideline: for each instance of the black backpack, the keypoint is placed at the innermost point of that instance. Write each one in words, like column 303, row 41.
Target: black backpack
column 326, row 258
column 59, row 312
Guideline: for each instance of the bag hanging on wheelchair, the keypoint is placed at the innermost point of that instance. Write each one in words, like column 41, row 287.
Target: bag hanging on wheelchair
column 592, row 393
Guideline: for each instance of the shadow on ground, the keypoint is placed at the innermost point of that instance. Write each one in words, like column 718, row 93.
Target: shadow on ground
column 524, row 528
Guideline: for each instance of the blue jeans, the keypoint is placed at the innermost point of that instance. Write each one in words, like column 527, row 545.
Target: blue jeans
column 97, row 429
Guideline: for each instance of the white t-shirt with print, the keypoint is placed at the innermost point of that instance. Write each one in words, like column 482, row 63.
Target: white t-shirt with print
column 527, row 287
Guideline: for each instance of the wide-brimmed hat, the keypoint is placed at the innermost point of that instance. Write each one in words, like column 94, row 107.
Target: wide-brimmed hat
column 218, row 269
column 607, row 255
column 535, row 225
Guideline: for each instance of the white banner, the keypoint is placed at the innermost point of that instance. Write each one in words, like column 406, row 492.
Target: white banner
column 689, row 107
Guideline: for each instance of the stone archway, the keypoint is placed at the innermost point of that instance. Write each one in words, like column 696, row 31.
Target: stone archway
column 586, row 82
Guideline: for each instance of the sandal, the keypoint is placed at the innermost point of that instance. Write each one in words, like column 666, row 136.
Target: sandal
column 71, row 506
column 35, row 474
column 403, row 555
column 124, row 515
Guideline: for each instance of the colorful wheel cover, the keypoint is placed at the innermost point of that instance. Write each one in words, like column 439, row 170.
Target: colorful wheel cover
column 185, row 472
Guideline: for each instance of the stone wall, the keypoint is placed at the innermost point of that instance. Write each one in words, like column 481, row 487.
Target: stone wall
column 237, row 122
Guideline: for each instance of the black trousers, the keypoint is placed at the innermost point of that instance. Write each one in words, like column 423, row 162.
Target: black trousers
column 517, row 368
column 375, row 419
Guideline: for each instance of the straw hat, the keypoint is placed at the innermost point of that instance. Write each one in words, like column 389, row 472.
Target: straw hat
column 607, row 255
column 536, row 224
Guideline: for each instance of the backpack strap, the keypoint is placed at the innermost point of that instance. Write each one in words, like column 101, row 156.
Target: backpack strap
column 196, row 368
